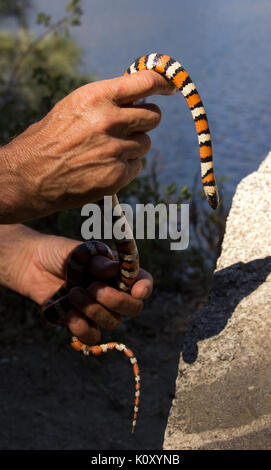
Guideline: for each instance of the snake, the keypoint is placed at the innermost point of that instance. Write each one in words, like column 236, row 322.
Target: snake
column 54, row 311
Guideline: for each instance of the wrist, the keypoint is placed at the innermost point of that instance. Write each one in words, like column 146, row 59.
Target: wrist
column 17, row 245
column 19, row 182
column 11, row 197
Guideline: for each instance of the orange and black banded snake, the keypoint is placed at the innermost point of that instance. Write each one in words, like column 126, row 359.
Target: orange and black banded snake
column 54, row 310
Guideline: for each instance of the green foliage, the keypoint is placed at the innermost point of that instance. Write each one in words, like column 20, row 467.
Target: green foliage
column 35, row 73
column 44, row 19
column 75, row 7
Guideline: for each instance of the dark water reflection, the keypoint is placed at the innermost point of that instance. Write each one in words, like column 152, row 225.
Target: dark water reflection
column 225, row 46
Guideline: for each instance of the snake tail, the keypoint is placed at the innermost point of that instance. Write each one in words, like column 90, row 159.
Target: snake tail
column 176, row 74
column 104, row 348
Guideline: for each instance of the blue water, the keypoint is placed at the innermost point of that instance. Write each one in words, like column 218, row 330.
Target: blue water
column 225, row 47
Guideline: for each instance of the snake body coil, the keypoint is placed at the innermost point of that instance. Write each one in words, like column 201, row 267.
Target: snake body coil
column 55, row 309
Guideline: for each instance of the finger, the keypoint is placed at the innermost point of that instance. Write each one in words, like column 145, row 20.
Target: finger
column 100, row 315
column 133, row 168
column 139, row 85
column 115, row 300
column 83, row 328
column 143, row 286
column 54, row 252
column 136, row 145
column 140, row 118
column 102, row 267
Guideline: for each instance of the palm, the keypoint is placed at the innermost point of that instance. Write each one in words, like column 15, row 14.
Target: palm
column 46, row 270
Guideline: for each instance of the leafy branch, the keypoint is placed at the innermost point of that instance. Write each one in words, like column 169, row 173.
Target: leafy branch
column 74, row 11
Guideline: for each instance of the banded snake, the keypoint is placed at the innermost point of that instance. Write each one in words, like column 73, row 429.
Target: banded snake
column 54, row 310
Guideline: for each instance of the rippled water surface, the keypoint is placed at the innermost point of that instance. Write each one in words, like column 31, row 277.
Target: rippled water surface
column 224, row 45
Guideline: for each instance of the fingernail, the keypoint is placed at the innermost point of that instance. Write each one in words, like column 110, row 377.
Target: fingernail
column 146, row 293
column 108, row 262
column 175, row 90
column 72, row 318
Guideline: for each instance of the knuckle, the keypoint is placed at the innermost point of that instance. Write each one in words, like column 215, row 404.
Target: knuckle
column 138, row 165
column 120, row 175
column 116, row 149
column 116, row 302
column 114, row 177
column 94, row 312
column 135, row 166
column 94, row 336
column 89, row 93
column 146, row 143
column 118, row 87
column 155, row 109
column 77, row 325
column 149, row 81
column 110, row 122
column 147, row 140
column 113, row 150
column 105, row 318
column 114, row 322
column 157, row 115
column 75, row 295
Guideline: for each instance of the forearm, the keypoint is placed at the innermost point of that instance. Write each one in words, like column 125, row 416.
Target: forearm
column 19, row 200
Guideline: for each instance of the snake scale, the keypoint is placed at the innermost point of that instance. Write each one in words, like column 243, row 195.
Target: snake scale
column 55, row 309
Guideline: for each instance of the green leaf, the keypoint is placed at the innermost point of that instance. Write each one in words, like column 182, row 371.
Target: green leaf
column 186, row 193
column 44, row 19
column 171, row 189
column 75, row 21
column 74, row 6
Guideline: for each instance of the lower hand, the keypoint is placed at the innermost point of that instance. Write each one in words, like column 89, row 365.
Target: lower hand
column 36, row 269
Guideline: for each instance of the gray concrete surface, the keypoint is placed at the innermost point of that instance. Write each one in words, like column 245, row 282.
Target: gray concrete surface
column 223, row 388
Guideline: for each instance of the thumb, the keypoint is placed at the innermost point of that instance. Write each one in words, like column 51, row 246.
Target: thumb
column 103, row 268
column 54, row 251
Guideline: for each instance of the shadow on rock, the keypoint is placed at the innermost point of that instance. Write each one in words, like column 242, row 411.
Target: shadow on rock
column 230, row 286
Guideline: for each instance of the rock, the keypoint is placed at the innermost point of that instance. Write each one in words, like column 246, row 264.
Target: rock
column 223, row 389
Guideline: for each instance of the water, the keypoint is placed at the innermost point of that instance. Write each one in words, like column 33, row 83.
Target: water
column 225, row 47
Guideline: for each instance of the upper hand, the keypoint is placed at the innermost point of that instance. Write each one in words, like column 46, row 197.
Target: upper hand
column 86, row 147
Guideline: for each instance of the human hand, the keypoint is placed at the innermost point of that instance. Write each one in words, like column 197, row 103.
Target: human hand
column 35, row 266
column 101, row 305
column 86, row 147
